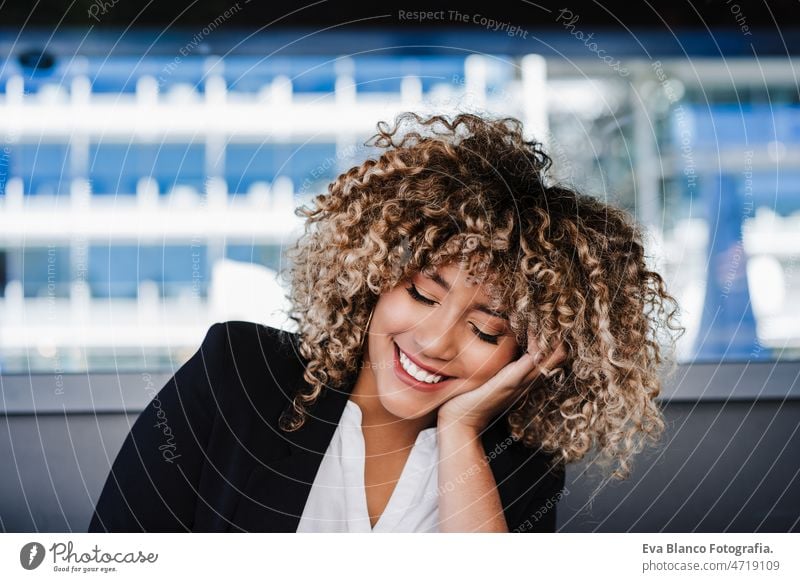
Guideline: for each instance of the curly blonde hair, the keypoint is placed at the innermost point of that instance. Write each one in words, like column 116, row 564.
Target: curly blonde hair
column 562, row 264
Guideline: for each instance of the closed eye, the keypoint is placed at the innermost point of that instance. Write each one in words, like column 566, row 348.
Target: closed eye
column 412, row 290
column 418, row 296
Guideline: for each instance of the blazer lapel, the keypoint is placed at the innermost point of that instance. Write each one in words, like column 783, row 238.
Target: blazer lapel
column 276, row 491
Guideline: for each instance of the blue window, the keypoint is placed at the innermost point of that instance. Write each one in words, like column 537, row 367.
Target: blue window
column 116, row 168
column 116, row 271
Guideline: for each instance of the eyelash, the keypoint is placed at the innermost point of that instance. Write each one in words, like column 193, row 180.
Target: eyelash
column 412, row 290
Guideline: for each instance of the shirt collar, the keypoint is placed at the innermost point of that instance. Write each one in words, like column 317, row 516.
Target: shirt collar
column 352, row 417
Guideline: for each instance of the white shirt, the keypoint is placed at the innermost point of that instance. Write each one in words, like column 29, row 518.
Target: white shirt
column 338, row 501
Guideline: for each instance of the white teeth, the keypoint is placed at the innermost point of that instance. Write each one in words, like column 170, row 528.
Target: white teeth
column 416, row 373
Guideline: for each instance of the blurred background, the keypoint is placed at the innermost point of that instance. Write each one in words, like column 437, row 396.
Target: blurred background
column 151, row 160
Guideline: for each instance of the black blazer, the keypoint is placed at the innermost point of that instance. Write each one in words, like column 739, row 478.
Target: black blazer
column 206, row 454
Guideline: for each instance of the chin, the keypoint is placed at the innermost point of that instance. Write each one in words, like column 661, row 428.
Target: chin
column 400, row 403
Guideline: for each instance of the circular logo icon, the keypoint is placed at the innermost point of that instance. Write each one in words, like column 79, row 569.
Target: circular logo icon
column 31, row 555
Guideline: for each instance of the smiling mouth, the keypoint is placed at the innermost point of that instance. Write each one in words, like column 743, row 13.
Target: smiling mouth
column 416, row 372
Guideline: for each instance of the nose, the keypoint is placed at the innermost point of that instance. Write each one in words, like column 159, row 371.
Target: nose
column 436, row 338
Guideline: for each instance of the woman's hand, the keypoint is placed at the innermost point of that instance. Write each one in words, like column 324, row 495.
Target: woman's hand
column 474, row 409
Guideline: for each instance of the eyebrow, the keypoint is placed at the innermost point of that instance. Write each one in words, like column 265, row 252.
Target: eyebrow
column 437, row 278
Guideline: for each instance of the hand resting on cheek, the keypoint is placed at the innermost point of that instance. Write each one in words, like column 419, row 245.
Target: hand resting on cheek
column 474, row 409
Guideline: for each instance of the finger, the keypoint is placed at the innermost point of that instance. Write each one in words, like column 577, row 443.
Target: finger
column 553, row 358
column 514, row 381
column 522, row 391
column 559, row 354
column 513, row 374
column 531, row 377
column 527, row 385
column 546, row 366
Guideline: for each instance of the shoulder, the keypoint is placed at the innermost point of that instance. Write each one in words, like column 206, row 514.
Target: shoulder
column 247, row 344
column 254, row 363
column 241, row 333
column 249, row 339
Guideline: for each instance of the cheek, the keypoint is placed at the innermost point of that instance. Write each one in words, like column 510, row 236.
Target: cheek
column 392, row 313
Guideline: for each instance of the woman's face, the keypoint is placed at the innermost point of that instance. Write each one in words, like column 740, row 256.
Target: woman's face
column 439, row 324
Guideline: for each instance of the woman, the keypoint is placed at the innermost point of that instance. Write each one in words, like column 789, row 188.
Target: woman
column 465, row 329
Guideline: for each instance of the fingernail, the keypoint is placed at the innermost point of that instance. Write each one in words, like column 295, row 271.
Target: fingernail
column 538, row 358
